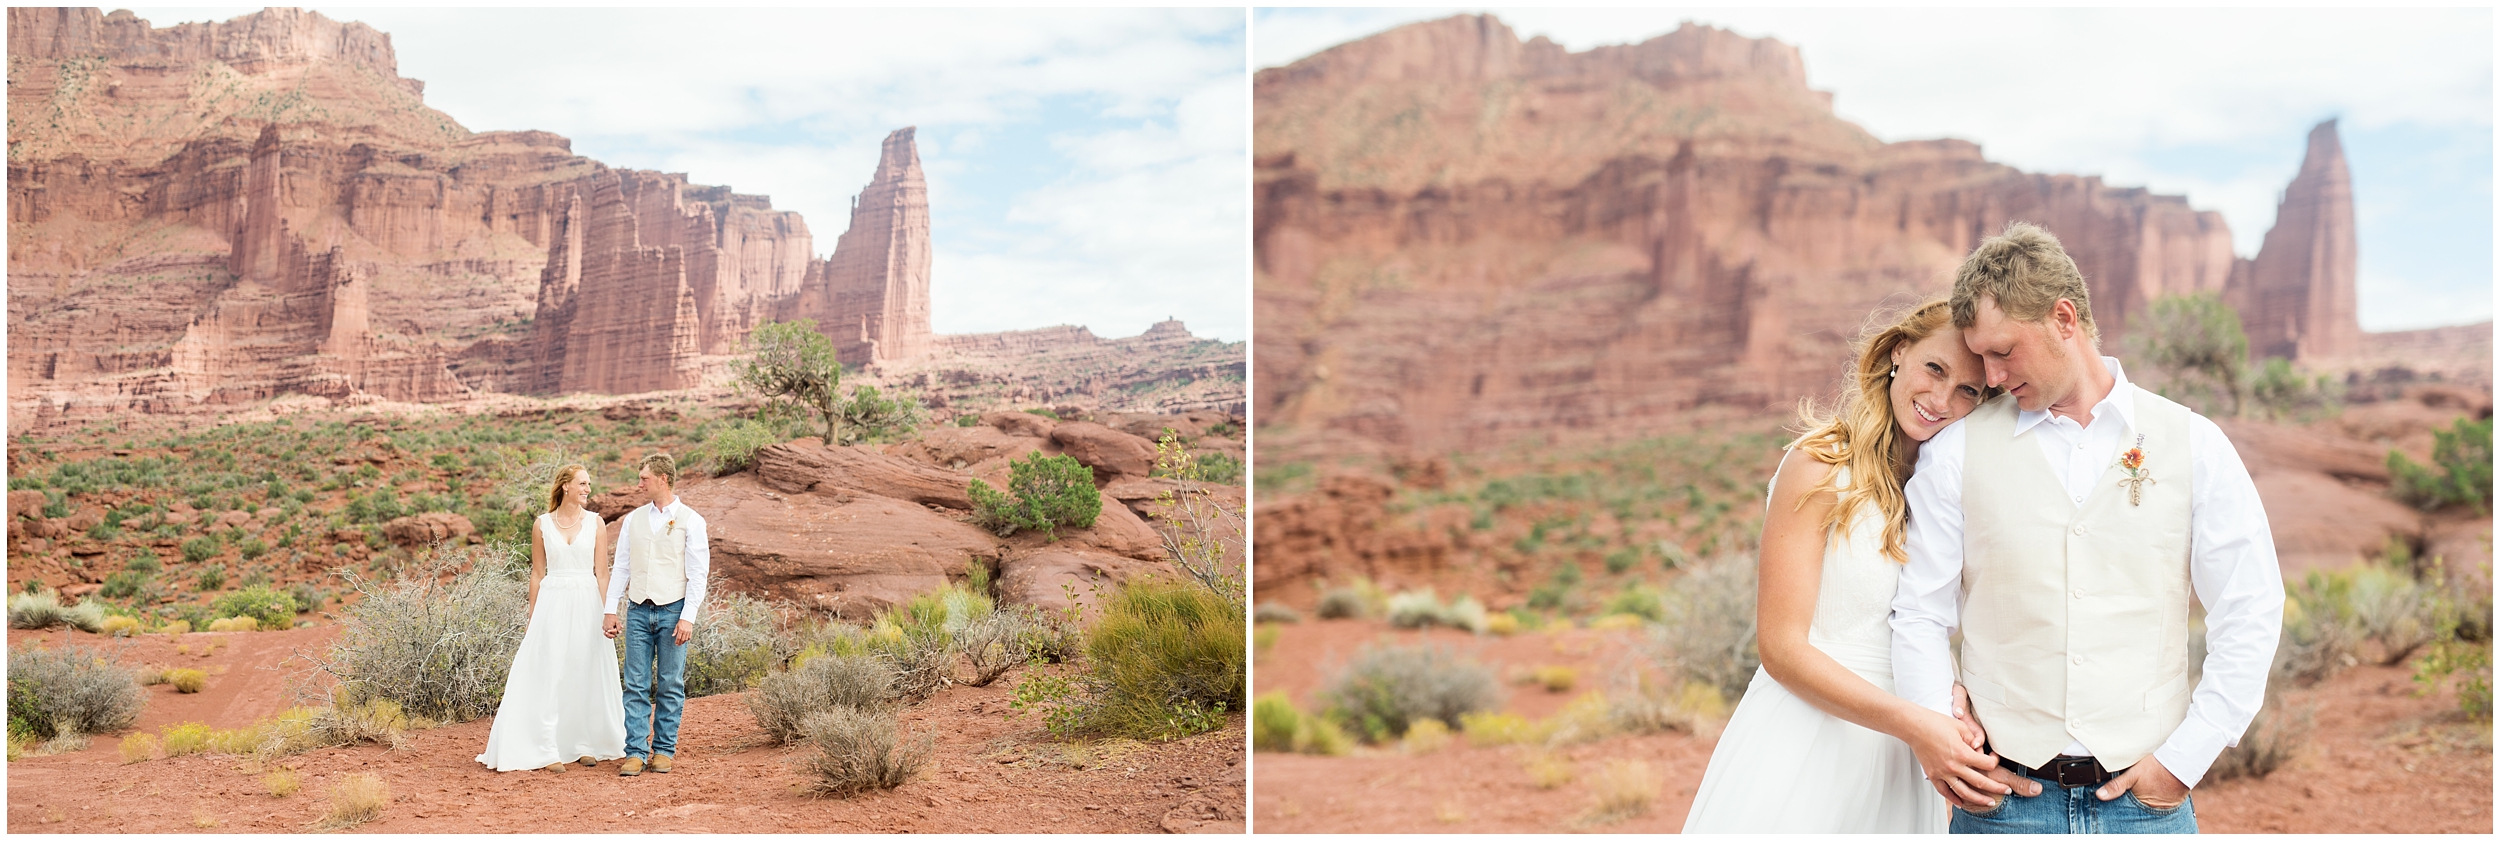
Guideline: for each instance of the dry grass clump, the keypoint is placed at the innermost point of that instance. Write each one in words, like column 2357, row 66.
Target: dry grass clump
column 1693, row 707
column 1555, row 679
column 175, row 629
column 282, row 782
column 357, row 799
column 187, row 681
column 1624, row 789
column 437, row 641
column 234, row 623
column 71, row 690
column 822, row 682
column 1706, row 631
column 1548, row 771
column 185, row 739
column 1426, row 736
column 35, row 611
column 119, row 626
column 139, row 747
column 1501, row 624
column 1167, row 658
column 1277, row 725
column 859, row 751
column 1388, row 688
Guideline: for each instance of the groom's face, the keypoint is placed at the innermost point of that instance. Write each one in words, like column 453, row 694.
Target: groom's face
column 653, row 487
column 2019, row 356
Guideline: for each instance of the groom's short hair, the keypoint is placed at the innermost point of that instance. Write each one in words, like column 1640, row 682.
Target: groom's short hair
column 662, row 465
column 2026, row 271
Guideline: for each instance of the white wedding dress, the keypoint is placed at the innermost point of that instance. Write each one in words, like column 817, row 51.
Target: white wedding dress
column 562, row 700
column 1784, row 766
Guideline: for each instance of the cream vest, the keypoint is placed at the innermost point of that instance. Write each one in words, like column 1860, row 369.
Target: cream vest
column 656, row 564
column 2074, row 618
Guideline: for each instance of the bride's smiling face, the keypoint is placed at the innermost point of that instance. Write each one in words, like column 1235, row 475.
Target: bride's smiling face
column 1938, row 382
column 577, row 491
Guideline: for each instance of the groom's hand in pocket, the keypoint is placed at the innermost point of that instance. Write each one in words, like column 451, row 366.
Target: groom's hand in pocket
column 2153, row 785
column 609, row 626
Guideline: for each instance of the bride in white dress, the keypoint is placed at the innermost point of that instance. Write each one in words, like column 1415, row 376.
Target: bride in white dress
column 1820, row 743
column 562, row 700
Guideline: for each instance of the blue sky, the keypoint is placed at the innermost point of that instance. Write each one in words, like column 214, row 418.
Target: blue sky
column 1085, row 166
column 2213, row 104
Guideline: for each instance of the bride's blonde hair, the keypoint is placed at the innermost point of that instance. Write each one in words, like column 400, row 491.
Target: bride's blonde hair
column 555, row 489
column 1860, row 433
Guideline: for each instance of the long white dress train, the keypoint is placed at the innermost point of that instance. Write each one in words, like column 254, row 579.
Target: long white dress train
column 1784, row 766
column 562, row 700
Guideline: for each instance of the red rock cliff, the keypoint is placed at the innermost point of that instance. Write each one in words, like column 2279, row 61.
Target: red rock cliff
column 1461, row 236
column 2298, row 298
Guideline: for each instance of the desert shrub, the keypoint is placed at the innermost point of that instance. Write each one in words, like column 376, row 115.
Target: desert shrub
column 737, row 640
column 1277, row 725
column 139, row 747
column 235, row 623
column 437, row 648
column 1342, row 603
column 1625, row 788
column 185, row 739
column 35, row 611
column 123, row 584
column 1638, row 601
column 783, row 702
column 870, row 417
column 1164, row 655
column 2320, row 635
column 356, row 799
column 175, row 628
column 967, row 420
column 145, row 562
column 793, row 367
column 1706, row 628
column 199, row 549
column 86, row 616
column 1199, row 530
column 994, row 643
column 1425, row 736
column 2273, row 738
column 1548, row 771
column 211, row 577
column 1275, row 612
column 268, row 608
column 2462, row 456
column 379, row 721
column 732, row 447
column 2394, row 610
column 1422, row 609
column 1043, row 493
column 918, row 637
column 1388, row 688
column 187, row 681
column 858, row 751
column 282, row 782
column 1502, row 624
column 1555, row 678
column 2279, row 392
column 70, row 690
column 2195, row 345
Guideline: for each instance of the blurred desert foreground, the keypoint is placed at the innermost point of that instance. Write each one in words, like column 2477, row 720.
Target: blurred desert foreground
column 1530, row 327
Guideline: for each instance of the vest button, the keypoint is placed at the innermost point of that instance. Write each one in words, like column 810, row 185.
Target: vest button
column 2078, row 593
column 2078, row 659
column 2079, row 531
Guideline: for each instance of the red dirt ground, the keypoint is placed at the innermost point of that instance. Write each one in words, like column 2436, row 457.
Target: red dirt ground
column 990, row 772
column 2380, row 760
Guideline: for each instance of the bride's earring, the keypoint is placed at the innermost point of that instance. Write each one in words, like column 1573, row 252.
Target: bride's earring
column 1896, row 372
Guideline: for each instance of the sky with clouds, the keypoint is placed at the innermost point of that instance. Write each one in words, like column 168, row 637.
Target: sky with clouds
column 2212, row 104
column 1085, row 166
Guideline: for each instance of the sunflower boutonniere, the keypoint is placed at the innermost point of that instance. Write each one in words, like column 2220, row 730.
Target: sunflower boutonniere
column 2132, row 463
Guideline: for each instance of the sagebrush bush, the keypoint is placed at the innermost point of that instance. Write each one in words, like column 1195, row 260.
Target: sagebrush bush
column 858, row 751
column 119, row 626
column 821, row 682
column 1706, row 627
column 994, row 643
column 2393, row 610
column 70, row 690
column 1163, row 647
column 438, row 649
column 1276, row 612
column 1423, row 609
column 268, row 608
column 2320, row 638
column 187, row 681
column 35, row 611
column 1043, row 494
column 731, row 448
column 737, row 641
column 1387, row 688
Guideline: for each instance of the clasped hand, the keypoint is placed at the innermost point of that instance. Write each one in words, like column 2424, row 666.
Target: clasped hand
column 1949, row 751
column 611, row 626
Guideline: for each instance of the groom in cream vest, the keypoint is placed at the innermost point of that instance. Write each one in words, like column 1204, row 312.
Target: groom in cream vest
column 2063, row 527
column 663, row 555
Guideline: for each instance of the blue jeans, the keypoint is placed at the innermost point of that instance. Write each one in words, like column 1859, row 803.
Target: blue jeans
column 2076, row 811
column 651, row 634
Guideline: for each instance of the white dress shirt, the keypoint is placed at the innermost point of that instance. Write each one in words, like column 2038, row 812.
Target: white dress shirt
column 2231, row 565
column 698, row 555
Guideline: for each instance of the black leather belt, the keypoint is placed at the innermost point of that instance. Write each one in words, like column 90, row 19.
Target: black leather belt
column 2066, row 771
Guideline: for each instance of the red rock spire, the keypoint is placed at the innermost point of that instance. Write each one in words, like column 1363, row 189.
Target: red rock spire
column 2298, row 299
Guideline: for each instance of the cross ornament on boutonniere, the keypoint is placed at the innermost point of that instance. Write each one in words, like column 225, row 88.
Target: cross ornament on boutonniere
column 2132, row 462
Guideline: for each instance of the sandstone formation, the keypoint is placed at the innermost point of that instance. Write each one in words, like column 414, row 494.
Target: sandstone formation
column 1462, row 237
column 215, row 214
column 427, row 529
column 2297, row 299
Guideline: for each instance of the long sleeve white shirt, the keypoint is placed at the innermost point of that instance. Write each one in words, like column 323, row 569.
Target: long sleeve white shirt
column 2231, row 566
column 656, row 521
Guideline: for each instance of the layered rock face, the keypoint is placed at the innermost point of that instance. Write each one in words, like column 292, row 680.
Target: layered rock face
column 213, row 214
column 2298, row 300
column 1461, row 237
column 1164, row 370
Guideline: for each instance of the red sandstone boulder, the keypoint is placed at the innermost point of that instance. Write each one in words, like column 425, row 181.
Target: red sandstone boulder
column 427, row 529
column 1042, row 577
column 1111, row 453
column 850, row 555
column 807, row 465
column 1116, row 531
column 26, row 504
column 47, row 529
column 234, row 519
column 962, row 447
column 1020, row 423
column 615, row 504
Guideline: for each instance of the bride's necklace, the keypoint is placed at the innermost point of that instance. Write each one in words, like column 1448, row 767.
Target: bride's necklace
column 560, row 523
